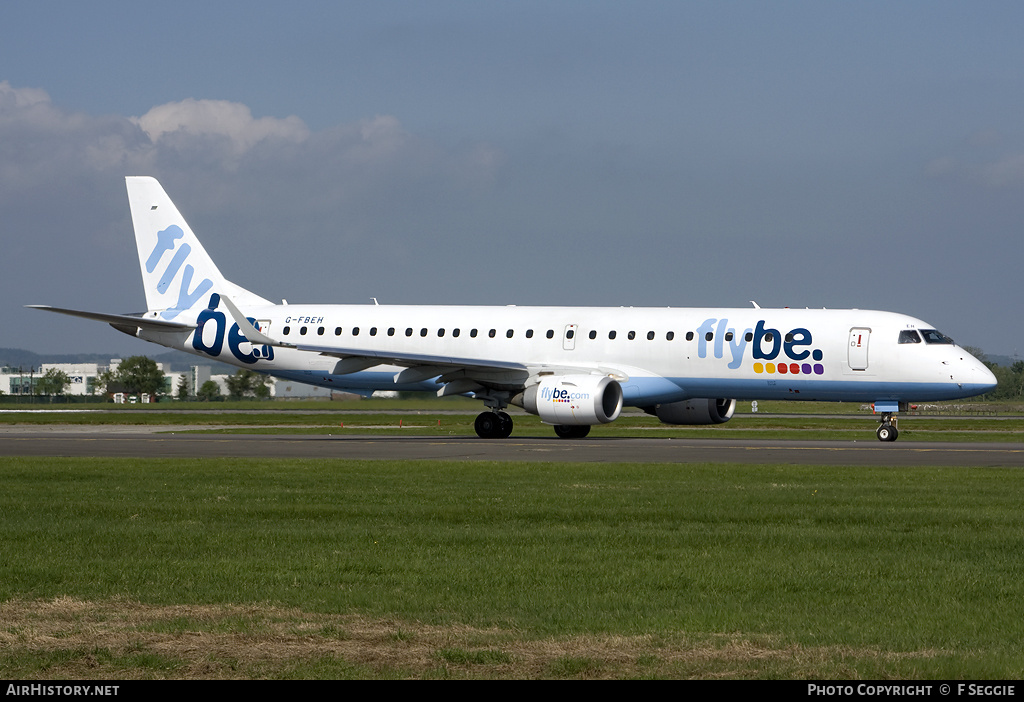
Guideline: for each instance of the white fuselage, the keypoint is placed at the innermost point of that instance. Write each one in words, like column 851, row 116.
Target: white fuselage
column 658, row 355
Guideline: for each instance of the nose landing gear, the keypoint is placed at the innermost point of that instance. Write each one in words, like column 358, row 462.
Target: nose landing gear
column 887, row 430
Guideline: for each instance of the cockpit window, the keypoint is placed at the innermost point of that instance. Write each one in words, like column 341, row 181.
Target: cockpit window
column 909, row 336
column 934, row 336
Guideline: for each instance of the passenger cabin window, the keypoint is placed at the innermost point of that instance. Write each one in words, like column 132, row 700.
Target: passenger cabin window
column 529, row 333
column 934, row 336
column 631, row 335
column 337, row 331
column 593, row 334
column 550, row 334
column 287, row 331
column 611, row 335
column 689, row 336
column 650, row 336
column 669, row 336
column 909, row 336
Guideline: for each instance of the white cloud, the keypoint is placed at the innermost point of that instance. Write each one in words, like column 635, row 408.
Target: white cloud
column 1006, row 172
column 219, row 118
column 40, row 142
column 19, row 98
column 982, row 159
column 370, row 180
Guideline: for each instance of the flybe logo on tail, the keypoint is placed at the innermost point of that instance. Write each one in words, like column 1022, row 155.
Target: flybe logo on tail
column 209, row 336
column 166, row 241
column 783, row 353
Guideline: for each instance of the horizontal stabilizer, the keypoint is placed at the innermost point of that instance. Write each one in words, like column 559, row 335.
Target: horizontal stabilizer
column 121, row 320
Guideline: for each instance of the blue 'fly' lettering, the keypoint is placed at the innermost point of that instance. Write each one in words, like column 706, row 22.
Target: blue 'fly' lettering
column 166, row 241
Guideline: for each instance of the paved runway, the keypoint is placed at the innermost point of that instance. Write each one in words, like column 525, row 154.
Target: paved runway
column 148, row 442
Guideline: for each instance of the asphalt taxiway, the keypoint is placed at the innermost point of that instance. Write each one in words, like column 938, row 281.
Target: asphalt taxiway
column 166, row 442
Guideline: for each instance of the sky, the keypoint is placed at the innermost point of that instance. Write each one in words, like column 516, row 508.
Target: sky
column 799, row 154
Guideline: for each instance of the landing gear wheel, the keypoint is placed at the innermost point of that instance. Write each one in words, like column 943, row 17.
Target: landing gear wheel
column 493, row 425
column 566, row 431
column 887, row 432
column 506, row 425
column 486, row 425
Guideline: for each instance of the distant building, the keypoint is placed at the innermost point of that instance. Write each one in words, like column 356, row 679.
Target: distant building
column 22, row 381
column 83, row 381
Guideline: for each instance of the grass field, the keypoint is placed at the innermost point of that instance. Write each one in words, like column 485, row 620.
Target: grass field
column 272, row 568
column 443, row 421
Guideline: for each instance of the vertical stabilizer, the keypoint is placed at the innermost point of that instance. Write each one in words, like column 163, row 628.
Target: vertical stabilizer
column 177, row 273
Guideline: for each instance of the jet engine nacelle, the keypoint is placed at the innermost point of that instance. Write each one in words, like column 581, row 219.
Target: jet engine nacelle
column 695, row 411
column 573, row 399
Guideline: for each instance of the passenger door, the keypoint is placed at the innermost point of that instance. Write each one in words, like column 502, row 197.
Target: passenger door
column 858, row 350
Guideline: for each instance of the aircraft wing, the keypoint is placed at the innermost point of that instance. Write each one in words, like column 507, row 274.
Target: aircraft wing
column 121, row 322
column 412, row 359
column 458, row 374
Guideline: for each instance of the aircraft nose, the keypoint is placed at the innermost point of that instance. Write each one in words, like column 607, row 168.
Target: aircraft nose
column 985, row 376
column 979, row 376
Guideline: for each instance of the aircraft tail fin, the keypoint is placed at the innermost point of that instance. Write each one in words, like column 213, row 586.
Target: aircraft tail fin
column 177, row 273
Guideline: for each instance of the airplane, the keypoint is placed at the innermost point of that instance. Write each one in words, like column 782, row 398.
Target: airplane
column 575, row 367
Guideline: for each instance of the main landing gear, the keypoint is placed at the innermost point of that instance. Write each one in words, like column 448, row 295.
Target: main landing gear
column 570, row 431
column 493, row 425
column 496, row 424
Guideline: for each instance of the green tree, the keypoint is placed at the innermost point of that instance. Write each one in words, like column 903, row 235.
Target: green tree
column 53, row 382
column 209, row 391
column 139, row 374
column 183, row 388
column 103, row 381
column 1016, row 382
column 262, row 390
column 247, row 383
